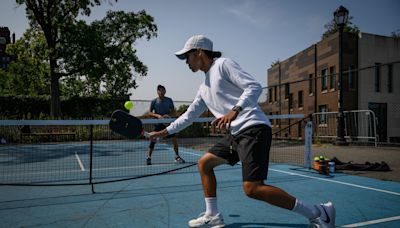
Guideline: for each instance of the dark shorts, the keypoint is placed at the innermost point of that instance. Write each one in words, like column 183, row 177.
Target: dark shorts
column 251, row 147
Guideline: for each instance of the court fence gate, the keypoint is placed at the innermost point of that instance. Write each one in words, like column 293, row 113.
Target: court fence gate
column 360, row 126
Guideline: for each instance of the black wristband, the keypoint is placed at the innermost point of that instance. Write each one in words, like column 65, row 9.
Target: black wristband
column 237, row 108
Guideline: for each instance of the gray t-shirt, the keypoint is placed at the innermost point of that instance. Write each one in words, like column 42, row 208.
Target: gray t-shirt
column 162, row 107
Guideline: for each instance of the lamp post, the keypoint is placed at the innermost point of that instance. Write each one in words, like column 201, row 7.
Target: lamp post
column 341, row 18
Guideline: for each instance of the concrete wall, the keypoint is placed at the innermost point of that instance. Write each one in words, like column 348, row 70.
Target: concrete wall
column 379, row 49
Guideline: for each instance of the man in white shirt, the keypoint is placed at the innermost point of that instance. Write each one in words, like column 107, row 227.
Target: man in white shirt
column 231, row 94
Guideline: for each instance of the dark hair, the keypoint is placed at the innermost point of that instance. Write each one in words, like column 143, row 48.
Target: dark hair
column 212, row 54
column 159, row 87
column 209, row 54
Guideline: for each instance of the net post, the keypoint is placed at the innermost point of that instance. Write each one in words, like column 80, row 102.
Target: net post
column 91, row 157
column 308, row 144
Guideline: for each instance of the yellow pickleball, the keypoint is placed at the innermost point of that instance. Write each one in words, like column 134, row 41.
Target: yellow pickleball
column 129, row 105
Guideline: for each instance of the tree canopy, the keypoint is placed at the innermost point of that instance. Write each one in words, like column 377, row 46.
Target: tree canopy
column 96, row 58
column 28, row 73
column 100, row 58
column 332, row 28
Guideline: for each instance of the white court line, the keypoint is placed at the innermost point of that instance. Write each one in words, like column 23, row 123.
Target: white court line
column 133, row 167
column 323, row 179
column 185, row 152
column 79, row 161
column 338, row 182
column 366, row 223
column 333, row 181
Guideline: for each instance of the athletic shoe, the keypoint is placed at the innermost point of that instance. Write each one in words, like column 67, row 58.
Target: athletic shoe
column 216, row 221
column 179, row 160
column 148, row 161
column 327, row 217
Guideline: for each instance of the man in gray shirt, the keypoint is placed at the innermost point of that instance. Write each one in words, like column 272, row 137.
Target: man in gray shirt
column 162, row 107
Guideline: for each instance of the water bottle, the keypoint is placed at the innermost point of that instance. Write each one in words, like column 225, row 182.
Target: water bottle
column 331, row 165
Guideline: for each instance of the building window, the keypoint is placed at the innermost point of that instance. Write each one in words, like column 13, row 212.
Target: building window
column 300, row 99
column 275, row 93
column 310, row 84
column 390, row 78
column 287, row 91
column 270, row 95
column 352, row 79
column 332, row 78
column 291, row 101
column 324, row 80
column 377, row 81
column 323, row 118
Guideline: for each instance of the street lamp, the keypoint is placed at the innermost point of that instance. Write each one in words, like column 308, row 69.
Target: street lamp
column 341, row 16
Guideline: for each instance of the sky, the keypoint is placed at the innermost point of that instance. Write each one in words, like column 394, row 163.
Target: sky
column 254, row 33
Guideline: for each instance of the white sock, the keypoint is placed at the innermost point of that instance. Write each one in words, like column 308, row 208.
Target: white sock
column 211, row 206
column 309, row 211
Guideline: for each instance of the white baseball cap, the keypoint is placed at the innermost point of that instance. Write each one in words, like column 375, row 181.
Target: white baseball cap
column 196, row 42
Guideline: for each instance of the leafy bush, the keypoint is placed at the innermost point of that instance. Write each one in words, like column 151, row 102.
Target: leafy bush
column 38, row 107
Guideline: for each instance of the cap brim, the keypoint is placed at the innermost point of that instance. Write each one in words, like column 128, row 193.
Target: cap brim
column 181, row 54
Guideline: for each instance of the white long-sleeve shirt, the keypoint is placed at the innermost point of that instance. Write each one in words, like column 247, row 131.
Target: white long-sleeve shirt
column 225, row 86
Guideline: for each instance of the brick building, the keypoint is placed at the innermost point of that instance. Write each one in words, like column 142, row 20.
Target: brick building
column 307, row 82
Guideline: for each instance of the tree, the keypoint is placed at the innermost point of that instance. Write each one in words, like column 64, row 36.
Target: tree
column 57, row 20
column 395, row 34
column 331, row 28
column 182, row 109
column 275, row 62
column 27, row 74
column 102, row 54
column 54, row 17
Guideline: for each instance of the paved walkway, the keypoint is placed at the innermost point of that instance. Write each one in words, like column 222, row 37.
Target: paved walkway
column 362, row 154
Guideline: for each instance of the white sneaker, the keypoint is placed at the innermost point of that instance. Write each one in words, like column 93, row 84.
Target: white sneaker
column 179, row 160
column 327, row 217
column 204, row 220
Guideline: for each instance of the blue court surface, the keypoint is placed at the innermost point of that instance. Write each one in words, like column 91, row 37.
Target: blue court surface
column 170, row 200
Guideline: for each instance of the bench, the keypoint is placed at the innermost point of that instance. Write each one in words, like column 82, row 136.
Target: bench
column 50, row 133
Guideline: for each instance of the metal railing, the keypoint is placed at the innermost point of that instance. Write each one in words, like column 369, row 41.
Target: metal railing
column 359, row 125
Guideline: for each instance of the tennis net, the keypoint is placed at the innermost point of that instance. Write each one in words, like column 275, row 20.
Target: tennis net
column 79, row 152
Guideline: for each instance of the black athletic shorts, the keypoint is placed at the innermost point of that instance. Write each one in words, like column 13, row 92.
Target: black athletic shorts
column 251, row 147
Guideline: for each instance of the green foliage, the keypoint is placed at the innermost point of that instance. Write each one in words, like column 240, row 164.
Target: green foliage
column 194, row 130
column 24, row 107
column 274, row 63
column 5, row 83
column 100, row 58
column 181, row 109
column 331, row 28
column 28, row 73
column 54, row 18
column 90, row 59
column 91, row 107
column 28, row 107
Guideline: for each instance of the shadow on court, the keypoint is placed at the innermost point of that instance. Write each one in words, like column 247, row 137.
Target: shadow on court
column 171, row 200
